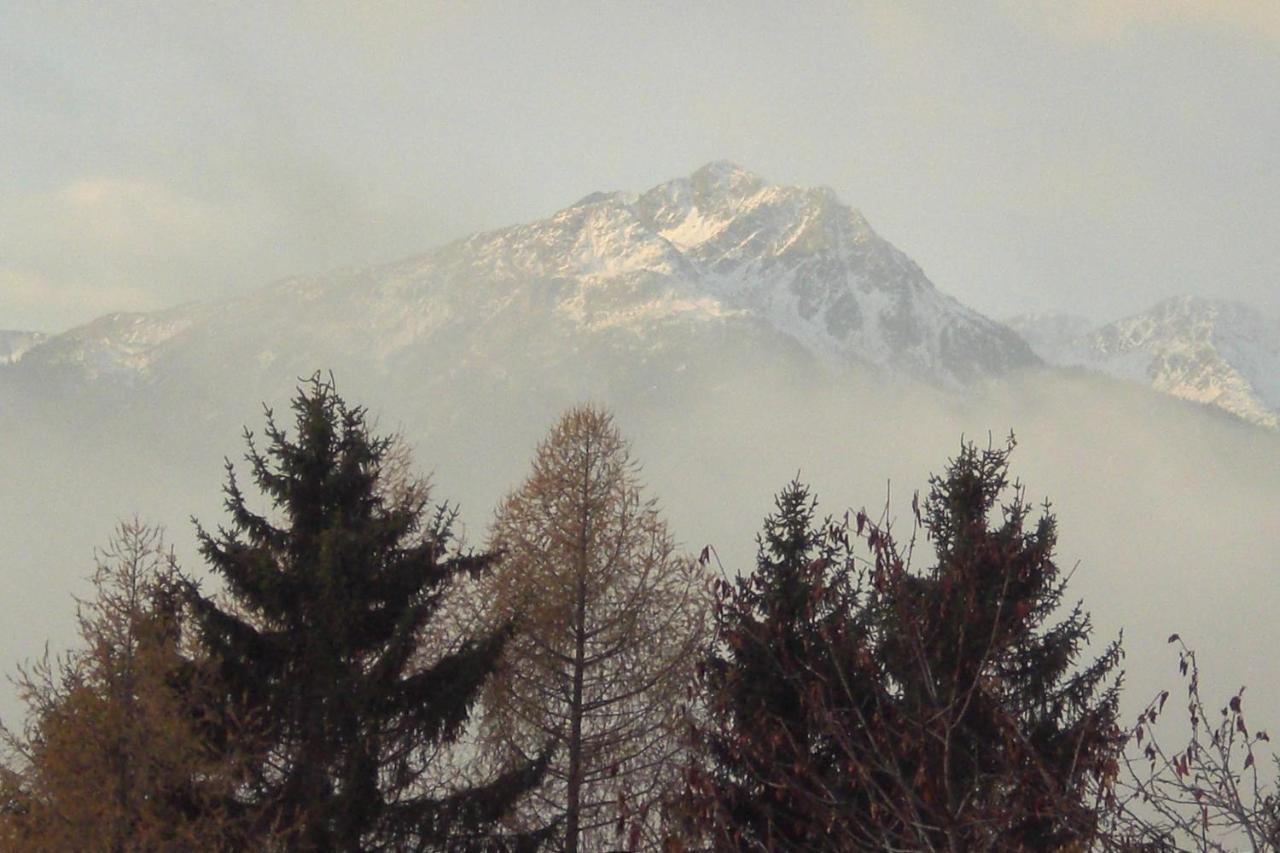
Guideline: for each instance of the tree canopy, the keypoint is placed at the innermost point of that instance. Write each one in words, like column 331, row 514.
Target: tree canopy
column 319, row 643
column 860, row 704
column 609, row 619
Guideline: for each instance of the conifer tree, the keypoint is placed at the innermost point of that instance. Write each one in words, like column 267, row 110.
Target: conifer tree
column 942, row 709
column 317, row 642
column 610, row 620
column 1003, row 737
column 769, row 779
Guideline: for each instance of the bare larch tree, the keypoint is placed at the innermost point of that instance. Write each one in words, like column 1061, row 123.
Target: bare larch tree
column 609, row 617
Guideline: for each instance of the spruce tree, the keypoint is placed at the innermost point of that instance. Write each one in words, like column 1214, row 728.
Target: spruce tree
column 892, row 708
column 770, row 779
column 989, row 731
column 318, row 642
column 1005, row 737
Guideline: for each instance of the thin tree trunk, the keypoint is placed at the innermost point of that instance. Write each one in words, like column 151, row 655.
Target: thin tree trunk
column 573, row 815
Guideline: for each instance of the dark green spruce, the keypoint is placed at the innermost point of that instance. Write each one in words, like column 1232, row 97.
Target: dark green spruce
column 319, row 643
column 772, row 778
column 1006, row 734
column 863, row 704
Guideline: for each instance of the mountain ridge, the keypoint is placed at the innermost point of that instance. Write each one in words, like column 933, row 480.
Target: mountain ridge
column 14, row 344
column 719, row 248
column 1217, row 352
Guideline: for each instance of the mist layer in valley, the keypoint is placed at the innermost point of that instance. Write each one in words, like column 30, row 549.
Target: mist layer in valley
column 744, row 333
column 1166, row 508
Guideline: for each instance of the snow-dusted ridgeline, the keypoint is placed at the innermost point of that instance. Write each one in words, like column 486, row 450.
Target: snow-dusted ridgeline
column 14, row 345
column 1216, row 352
column 721, row 251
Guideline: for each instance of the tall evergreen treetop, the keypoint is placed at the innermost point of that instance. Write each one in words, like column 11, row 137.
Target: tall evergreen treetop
column 890, row 708
column 1007, row 732
column 772, row 768
column 319, row 643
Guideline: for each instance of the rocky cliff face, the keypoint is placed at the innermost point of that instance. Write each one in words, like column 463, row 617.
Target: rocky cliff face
column 1215, row 352
column 14, row 345
column 697, row 267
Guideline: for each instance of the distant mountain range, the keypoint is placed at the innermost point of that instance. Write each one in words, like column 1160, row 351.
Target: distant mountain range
column 632, row 291
column 720, row 255
column 14, row 345
column 744, row 334
column 1215, row 352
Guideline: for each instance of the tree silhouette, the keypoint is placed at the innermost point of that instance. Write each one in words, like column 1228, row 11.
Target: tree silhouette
column 934, row 710
column 1002, row 738
column 319, row 644
column 771, row 778
column 1207, row 793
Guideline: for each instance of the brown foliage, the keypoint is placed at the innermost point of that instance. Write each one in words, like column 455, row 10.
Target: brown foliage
column 110, row 757
column 608, row 619
column 1206, row 793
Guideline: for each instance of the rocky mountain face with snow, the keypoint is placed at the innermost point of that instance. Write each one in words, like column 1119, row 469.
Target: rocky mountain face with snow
column 631, row 288
column 1215, row 352
column 14, row 345
column 627, row 295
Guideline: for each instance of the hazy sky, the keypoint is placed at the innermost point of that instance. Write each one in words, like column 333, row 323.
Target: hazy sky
column 1081, row 156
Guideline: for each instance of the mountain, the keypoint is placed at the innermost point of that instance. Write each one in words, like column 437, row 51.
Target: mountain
column 1216, row 352
column 14, row 345
column 719, row 264
column 1051, row 336
column 119, row 345
column 744, row 333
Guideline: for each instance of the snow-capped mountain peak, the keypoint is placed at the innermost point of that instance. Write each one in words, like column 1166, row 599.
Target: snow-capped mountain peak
column 722, row 180
column 14, row 344
column 123, row 344
column 1217, row 352
column 721, row 248
column 723, row 242
column 814, row 268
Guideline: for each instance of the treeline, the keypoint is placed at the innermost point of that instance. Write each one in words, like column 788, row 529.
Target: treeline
column 358, row 678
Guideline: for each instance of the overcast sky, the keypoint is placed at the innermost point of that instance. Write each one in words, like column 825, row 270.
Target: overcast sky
column 1091, row 157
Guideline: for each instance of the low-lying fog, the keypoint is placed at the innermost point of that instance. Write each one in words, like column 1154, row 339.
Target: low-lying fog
column 1168, row 512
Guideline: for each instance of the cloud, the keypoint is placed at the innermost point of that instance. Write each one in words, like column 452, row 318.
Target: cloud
column 99, row 244
column 128, row 217
column 1118, row 20
column 31, row 303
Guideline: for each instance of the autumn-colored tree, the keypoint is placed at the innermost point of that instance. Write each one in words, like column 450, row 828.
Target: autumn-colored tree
column 609, row 618
column 325, row 648
column 1215, row 791
column 112, row 756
